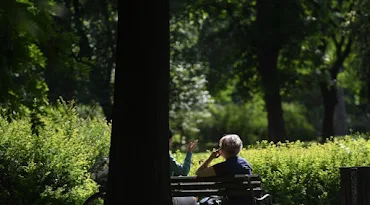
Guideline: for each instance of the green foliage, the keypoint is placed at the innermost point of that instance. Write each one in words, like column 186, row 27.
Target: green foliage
column 296, row 123
column 53, row 166
column 26, row 26
column 90, row 111
column 247, row 120
column 301, row 173
column 250, row 122
column 51, row 49
column 189, row 98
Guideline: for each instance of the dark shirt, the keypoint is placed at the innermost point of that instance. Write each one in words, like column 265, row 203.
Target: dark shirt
column 230, row 167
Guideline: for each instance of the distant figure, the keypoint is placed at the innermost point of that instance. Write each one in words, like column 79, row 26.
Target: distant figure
column 230, row 147
column 182, row 170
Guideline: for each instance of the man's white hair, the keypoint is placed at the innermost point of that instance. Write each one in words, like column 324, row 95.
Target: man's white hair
column 231, row 144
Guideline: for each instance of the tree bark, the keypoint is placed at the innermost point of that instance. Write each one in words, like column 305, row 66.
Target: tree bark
column 267, row 59
column 340, row 115
column 329, row 89
column 330, row 101
column 269, row 40
column 138, row 160
column 85, row 49
column 368, row 90
column 103, row 74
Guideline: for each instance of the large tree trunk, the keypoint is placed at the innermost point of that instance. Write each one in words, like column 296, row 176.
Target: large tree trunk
column 267, row 59
column 138, row 160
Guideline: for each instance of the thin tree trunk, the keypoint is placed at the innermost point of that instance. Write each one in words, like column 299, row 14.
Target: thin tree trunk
column 85, row 49
column 138, row 160
column 329, row 89
column 58, row 81
column 368, row 91
column 367, row 84
column 340, row 115
column 330, row 101
column 105, row 92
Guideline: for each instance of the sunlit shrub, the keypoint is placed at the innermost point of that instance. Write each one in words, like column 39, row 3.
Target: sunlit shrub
column 53, row 166
column 300, row 172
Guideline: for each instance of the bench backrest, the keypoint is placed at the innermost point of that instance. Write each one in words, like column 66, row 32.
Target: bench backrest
column 239, row 185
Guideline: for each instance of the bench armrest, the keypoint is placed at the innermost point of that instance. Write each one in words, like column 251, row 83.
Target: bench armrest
column 265, row 199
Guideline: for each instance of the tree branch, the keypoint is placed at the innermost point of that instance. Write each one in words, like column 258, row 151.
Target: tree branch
column 341, row 56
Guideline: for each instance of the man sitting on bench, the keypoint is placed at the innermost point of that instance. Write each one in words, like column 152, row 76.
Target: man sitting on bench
column 229, row 147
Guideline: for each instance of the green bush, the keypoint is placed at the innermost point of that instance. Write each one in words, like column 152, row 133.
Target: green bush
column 298, row 173
column 307, row 173
column 51, row 167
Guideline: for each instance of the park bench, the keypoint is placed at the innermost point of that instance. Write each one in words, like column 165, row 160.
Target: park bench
column 239, row 185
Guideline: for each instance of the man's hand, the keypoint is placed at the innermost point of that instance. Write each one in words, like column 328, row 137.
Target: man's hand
column 215, row 154
column 192, row 145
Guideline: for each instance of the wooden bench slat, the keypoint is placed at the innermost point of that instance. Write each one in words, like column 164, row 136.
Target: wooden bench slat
column 210, row 183
column 217, row 192
column 243, row 177
column 214, row 185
